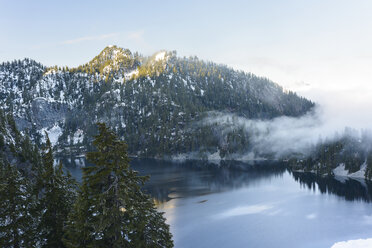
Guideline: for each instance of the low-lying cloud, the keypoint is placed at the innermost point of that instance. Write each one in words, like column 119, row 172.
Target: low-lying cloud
column 282, row 135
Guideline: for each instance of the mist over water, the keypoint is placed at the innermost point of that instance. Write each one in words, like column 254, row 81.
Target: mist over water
column 337, row 78
column 285, row 135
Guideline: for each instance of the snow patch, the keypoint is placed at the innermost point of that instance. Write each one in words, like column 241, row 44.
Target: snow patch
column 62, row 95
column 51, row 71
column 360, row 173
column 214, row 156
column 53, row 133
column 78, row 136
column 340, row 170
column 357, row 243
column 79, row 162
column 107, row 69
column 160, row 56
column 131, row 74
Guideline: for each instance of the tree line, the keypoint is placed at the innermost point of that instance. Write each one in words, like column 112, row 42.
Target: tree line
column 43, row 206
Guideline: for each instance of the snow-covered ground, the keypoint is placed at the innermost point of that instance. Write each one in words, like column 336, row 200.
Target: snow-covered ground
column 360, row 173
column 131, row 74
column 214, row 156
column 160, row 56
column 358, row 243
column 53, row 133
column 340, row 171
column 78, row 136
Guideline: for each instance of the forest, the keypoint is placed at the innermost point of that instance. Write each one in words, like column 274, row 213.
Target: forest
column 42, row 205
column 158, row 104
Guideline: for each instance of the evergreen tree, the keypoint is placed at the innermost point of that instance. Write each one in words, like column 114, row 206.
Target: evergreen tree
column 57, row 200
column 16, row 220
column 111, row 210
column 165, row 99
column 368, row 173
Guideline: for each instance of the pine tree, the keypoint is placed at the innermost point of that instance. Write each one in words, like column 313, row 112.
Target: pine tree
column 368, row 173
column 111, row 210
column 16, row 220
column 57, row 199
column 78, row 230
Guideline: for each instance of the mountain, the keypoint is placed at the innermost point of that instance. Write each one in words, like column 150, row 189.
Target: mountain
column 158, row 104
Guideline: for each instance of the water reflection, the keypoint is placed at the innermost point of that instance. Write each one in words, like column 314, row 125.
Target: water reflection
column 170, row 180
column 346, row 188
column 259, row 204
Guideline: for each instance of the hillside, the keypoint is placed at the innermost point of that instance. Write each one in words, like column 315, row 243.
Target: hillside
column 346, row 155
column 158, row 104
column 16, row 148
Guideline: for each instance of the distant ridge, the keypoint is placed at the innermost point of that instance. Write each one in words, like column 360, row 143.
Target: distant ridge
column 157, row 103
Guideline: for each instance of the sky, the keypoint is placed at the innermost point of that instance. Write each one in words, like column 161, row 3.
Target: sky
column 321, row 48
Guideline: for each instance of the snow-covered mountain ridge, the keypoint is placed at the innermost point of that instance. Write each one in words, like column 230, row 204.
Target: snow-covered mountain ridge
column 153, row 102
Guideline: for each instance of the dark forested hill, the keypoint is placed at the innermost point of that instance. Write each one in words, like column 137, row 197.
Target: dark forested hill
column 157, row 104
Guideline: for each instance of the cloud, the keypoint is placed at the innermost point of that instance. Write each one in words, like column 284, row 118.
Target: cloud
column 285, row 135
column 279, row 136
column 90, row 38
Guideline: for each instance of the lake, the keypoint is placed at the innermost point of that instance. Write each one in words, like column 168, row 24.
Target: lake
column 261, row 204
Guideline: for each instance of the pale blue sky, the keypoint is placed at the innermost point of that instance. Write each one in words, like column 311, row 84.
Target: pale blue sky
column 71, row 32
column 314, row 47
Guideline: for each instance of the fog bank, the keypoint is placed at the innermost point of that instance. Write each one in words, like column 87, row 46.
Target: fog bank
column 287, row 135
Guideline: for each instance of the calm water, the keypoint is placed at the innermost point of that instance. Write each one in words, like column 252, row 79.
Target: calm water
column 259, row 205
